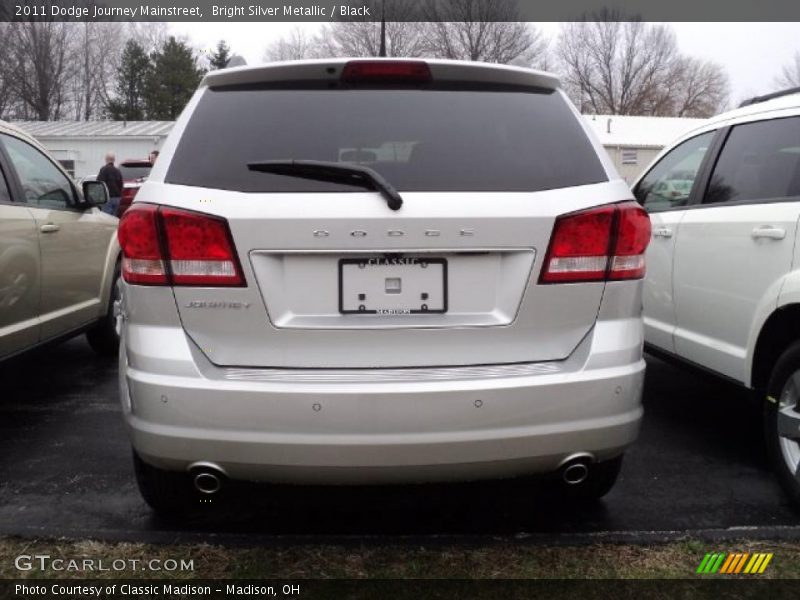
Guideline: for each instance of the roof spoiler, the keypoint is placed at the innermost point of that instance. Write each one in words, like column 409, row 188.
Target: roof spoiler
column 330, row 69
column 772, row 96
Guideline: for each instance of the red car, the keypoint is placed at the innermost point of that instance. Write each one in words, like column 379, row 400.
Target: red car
column 134, row 173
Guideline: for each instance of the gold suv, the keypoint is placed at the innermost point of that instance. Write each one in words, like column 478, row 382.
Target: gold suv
column 59, row 256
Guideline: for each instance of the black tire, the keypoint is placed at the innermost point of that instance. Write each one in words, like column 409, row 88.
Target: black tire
column 779, row 390
column 602, row 477
column 103, row 337
column 168, row 493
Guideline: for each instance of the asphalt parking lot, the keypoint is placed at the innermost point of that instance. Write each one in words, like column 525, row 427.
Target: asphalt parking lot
column 698, row 469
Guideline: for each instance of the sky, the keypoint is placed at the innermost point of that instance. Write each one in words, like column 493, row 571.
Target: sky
column 752, row 53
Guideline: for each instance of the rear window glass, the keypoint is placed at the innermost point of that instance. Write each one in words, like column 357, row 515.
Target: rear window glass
column 419, row 140
column 134, row 172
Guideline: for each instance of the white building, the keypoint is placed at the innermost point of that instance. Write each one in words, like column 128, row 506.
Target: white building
column 633, row 142
column 81, row 146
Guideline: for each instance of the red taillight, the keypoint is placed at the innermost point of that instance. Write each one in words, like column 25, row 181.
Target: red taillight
column 597, row 245
column 632, row 238
column 167, row 246
column 200, row 249
column 579, row 247
column 142, row 259
column 386, row 71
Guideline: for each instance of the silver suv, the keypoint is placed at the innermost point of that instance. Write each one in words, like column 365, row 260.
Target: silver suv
column 59, row 257
column 365, row 271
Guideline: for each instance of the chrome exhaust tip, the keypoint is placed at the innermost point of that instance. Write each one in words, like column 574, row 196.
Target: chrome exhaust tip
column 575, row 473
column 207, row 478
column 207, row 483
column 575, row 469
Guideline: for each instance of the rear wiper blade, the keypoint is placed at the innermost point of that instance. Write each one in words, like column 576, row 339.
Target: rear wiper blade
column 334, row 172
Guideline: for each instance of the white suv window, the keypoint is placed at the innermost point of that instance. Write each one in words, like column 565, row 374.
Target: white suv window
column 760, row 161
column 670, row 181
column 42, row 183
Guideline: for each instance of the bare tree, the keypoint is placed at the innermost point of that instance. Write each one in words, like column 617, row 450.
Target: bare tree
column 364, row 39
column 96, row 50
column 295, row 46
column 485, row 30
column 109, row 42
column 359, row 37
column 41, row 67
column 150, row 35
column 55, row 70
column 616, row 67
column 699, row 88
column 82, row 84
column 6, row 87
column 540, row 56
column 634, row 68
column 790, row 74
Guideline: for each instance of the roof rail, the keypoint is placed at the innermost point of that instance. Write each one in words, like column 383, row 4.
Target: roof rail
column 773, row 95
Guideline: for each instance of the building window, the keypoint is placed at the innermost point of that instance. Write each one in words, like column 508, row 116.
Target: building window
column 69, row 166
column 629, row 156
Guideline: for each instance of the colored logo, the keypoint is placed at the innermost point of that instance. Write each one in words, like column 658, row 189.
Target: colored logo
column 734, row 564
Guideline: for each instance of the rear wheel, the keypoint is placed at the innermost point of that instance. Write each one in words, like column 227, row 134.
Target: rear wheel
column 782, row 421
column 167, row 492
column 599, row 480
column 104, row 336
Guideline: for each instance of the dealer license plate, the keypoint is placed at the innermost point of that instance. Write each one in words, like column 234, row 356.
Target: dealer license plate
column 389, row 285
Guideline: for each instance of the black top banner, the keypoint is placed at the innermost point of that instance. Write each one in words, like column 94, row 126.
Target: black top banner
column 399, row 10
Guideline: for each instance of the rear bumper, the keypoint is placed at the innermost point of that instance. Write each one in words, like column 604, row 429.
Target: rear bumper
column 369, row 426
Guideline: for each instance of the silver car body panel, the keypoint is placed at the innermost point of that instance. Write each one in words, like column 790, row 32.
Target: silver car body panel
column 376, row 425
column 288, row 314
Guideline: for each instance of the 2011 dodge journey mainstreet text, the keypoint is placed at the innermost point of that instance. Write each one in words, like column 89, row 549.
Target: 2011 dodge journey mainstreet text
column 380, row 271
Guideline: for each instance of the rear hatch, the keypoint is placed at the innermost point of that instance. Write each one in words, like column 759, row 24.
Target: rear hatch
column 485, row 159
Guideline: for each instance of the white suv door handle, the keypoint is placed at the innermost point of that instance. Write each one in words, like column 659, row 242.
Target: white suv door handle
column 664, row 232
column 772, row 233
column 49, row 228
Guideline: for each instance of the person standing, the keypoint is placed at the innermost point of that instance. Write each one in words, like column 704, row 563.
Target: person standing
column 112, row 177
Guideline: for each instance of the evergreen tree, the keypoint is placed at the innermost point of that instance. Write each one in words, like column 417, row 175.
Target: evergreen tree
column 172, row 80
column 129, row 104
column 220, row 58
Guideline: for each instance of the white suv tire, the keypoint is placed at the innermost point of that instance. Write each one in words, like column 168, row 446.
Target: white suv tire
column 782, row 392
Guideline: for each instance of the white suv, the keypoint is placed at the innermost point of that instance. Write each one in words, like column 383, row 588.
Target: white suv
column 723, row 282
column 380, row 271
